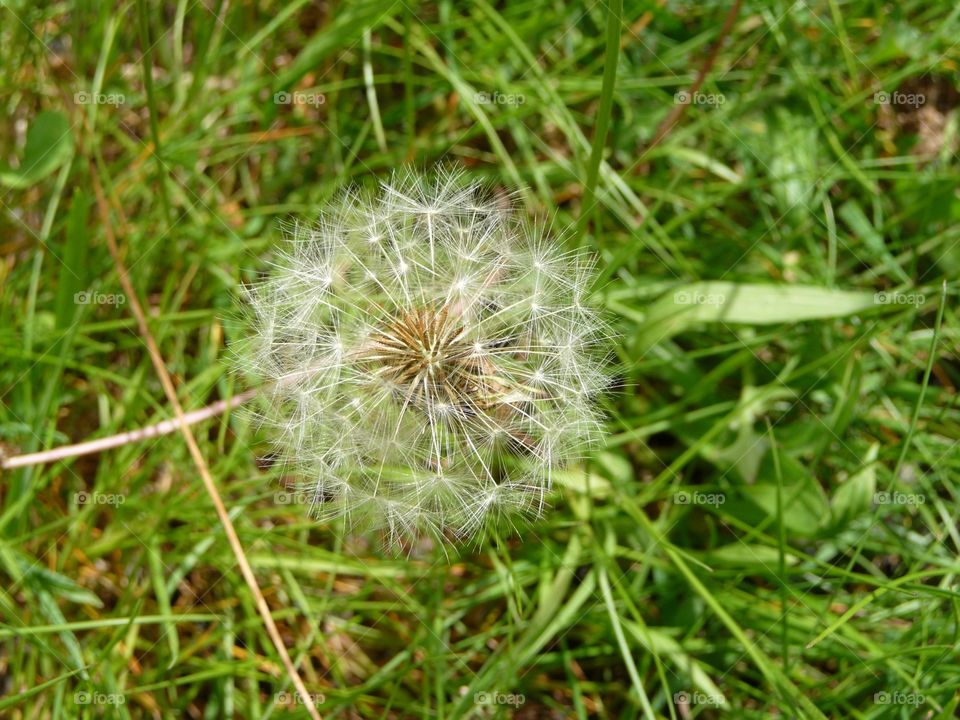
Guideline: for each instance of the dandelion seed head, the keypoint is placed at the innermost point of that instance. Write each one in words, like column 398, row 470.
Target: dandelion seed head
column 431, row 358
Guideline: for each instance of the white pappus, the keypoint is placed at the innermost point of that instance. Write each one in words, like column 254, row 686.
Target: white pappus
column 429, row 357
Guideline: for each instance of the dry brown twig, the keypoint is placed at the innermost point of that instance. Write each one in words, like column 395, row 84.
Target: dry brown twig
column 165, row 427
column 676, row 113
column 184, row 426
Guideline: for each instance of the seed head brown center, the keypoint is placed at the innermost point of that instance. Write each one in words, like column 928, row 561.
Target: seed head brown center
column 426, row 355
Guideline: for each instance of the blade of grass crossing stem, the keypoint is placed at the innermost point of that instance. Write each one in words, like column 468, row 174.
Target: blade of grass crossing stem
column 147, row 57
column 610, row 59
column 35, row 630
column 903, row 453
column 36, row 690
column 368, row 80
column 163, row 374
column 468, row 96
column 764, row 664
column 781, row 547
column 858, row 548
column 932, row 356
column 618, row 629
column 573, row 681
column 556, row 612
column 163, row 598
column 409, row 105
column 852, row 611
column 641, row 632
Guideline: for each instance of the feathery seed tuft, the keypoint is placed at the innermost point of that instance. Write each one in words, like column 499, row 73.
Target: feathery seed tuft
column 431, row 358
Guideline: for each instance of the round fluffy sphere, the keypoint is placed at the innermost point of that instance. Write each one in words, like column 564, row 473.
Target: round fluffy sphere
column 430, row 358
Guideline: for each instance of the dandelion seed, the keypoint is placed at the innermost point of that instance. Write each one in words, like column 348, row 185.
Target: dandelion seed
column 431, row 358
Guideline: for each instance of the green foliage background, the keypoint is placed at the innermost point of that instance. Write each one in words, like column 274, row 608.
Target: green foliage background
column 771, row 529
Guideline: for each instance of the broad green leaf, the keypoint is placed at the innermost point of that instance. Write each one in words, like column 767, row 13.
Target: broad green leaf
column 746, row 304
column 49, row 145
column 743, row 455
column 743, row 555
column 804, row 505
column 748, row 449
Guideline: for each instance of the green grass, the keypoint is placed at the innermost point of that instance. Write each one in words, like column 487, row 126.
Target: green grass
column 774, row 516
